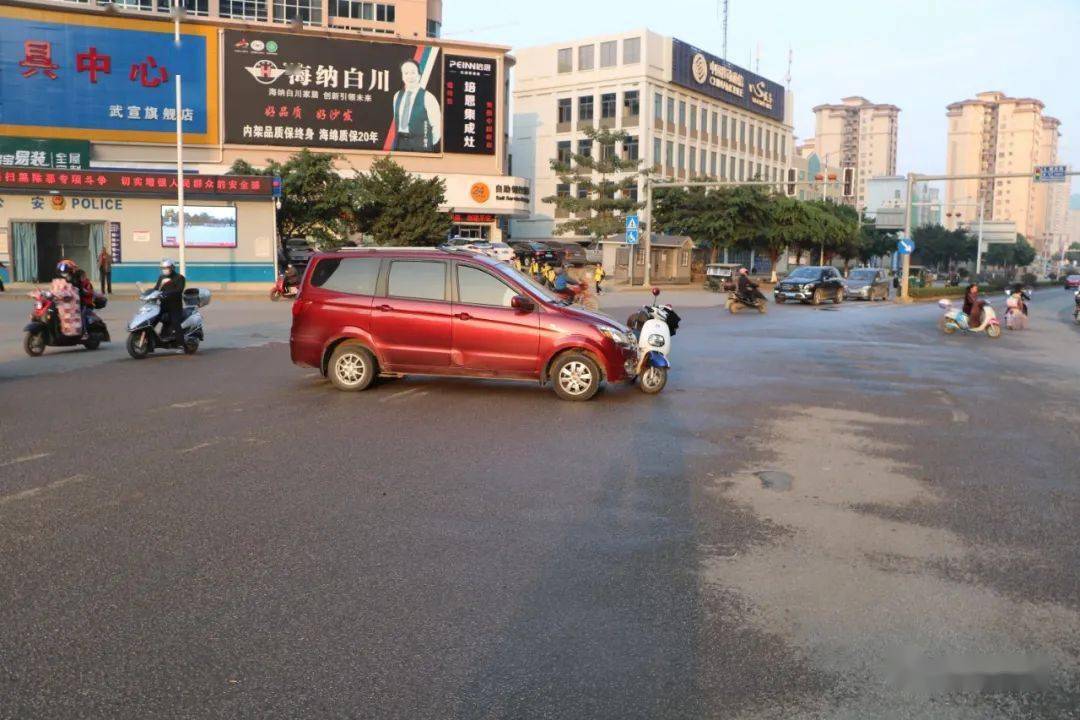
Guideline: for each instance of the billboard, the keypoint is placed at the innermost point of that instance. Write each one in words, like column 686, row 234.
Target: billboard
column 89, row 77
column 27, row 152
column 204, row 226
column 134, row 182
column 470, row 105
column 707, row 74
column 298, row 90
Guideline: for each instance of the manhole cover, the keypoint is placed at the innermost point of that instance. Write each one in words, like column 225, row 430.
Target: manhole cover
column 775, row 479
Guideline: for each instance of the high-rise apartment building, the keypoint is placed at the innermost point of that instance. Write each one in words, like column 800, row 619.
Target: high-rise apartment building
column 996, row 134
column 857, row 134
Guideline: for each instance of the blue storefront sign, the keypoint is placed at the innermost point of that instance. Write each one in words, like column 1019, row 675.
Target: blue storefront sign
column 61, row 77
column 707, row 74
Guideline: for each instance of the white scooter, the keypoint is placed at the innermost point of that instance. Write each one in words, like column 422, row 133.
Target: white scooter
column 143, row 338
column 954, row 319
column 654, row 326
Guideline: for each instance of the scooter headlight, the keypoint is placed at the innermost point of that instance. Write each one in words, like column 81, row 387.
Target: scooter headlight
column 656, row 340
column 616, row 335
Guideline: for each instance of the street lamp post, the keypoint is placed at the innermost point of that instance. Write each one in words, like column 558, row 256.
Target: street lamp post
column 180, row 240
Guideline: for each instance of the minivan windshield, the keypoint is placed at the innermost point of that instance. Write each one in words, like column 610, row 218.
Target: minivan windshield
column 536, row 288
column 804, row 273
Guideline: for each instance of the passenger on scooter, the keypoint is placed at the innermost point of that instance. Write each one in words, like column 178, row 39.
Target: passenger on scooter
column 171, row 284
column 69, row 271
column 747, row 290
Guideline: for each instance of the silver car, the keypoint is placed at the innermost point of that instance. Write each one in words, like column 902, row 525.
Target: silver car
column 867, row 284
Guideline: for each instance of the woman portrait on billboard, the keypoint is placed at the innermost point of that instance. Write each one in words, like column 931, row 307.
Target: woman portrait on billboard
column 417, row 114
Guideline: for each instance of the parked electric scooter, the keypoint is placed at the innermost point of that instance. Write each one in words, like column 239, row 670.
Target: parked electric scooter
column 954, row 319
column 143, row 337
column 654, row 326
column 43, row 330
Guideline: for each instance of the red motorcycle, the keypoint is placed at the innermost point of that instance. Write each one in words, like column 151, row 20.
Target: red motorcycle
column 44, row 327
column 287, row 286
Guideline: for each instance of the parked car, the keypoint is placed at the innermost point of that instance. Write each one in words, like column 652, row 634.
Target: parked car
column 502, row 252
column 1072, row 282
column 572, row 253
column 428, row 311
column 867, row 284
column 811, row 283
column 296, row 252
column 539, row 251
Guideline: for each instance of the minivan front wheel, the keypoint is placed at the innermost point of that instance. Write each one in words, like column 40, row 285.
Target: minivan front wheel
column 576, row 376
column 352, row 367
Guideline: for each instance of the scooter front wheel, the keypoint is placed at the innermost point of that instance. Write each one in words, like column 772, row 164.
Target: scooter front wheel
column 34, row 344
column 993, row 331
column 139, row 345
column 653, row 379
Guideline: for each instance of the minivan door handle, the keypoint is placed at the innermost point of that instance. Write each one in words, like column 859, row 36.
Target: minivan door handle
column 463, row 316
column 385, row 308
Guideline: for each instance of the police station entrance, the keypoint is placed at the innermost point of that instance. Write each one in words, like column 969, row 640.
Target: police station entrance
column 37, row 248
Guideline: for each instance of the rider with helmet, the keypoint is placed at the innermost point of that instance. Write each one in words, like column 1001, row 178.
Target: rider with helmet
column 171, row 284
column 746, row 289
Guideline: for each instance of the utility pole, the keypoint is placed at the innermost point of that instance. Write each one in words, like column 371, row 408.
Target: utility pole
column 905, row 259
column 180, row 240
column 647, row 247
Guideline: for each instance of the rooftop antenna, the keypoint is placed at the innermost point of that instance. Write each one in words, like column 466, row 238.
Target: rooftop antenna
column 757, row 62
column 787, row 78
column 722, row 8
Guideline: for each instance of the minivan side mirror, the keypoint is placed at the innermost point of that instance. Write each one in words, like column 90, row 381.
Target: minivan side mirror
column 522, row 303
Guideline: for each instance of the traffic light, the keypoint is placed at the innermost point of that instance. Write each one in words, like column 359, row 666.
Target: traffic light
column 849, row 182
column 791, row 175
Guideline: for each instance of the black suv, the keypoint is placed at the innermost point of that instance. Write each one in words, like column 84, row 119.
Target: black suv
column 811, row 284
column 542, row 252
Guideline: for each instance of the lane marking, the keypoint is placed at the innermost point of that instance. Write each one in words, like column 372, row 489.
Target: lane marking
column 193, row 403
column 400, row 394
column 25, row 458
column 14, row 497
column 200, row 446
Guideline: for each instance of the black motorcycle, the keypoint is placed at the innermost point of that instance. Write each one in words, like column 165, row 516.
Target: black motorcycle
column 43, row 330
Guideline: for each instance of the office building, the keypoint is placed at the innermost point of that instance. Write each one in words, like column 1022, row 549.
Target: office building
column 687, row 114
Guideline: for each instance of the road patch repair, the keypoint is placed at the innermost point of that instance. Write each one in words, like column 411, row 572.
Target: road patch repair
column 861, row 597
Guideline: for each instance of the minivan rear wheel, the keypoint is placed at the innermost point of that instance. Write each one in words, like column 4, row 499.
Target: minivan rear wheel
column 352, row 367
column 576, row 376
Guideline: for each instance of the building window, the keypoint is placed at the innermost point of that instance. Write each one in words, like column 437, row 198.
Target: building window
column 147, row 5
column 243, row 9
column 742, row 132
column 658, row 106
column 752, row 138
column 704, row 121
column 693, row 119
column 731, row 169
column 434, row 28
column 723, row 127
column 656, row 152
column 607, row 152
column 682, row 114
column 631, row 194
column 308, row 12
column 631, row 104
column 191, row 7
column 723, row 167
column 609, row 54
column 702, row 165
column 584, row 147
column 630, row 148
column 607, row 105
column 671, row 111
column 670, row 153
column 682, row 157
column 566, row 60
column 759, row 136
column 693, row 163
column 585, row 107
column 631, row 51
column 742, row 170
column 565, row 111
column 714, row 125
column 585, row 60
column 712, row 164
column 562, row 152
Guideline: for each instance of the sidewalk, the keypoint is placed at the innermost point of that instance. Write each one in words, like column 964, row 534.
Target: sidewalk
column 128, row 291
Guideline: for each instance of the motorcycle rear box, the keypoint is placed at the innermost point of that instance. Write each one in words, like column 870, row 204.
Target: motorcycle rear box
column 196, row 297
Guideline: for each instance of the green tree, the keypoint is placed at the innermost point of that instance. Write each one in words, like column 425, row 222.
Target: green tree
column 398, row 208
column 714, row 218
column 836, row 228
column 1020, row 254
column 316, row 202
column 604, row 180
column 1073, row 253
column 875, row 243
column 791, row 223
column 941, row 248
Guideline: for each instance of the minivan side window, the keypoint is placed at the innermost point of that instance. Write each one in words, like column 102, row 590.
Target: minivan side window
column 355, row 276
column 419, row 279
column 476, row 287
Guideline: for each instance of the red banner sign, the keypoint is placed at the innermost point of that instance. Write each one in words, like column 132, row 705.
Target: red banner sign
column 473, row 218
column 150, row 184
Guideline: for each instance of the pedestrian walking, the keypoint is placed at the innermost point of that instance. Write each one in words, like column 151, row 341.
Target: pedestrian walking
column 104, row 261
column 598, row 277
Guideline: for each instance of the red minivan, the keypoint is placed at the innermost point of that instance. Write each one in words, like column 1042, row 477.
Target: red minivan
column 397, row 311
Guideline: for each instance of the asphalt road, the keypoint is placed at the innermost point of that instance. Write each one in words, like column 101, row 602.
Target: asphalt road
column 828, row 513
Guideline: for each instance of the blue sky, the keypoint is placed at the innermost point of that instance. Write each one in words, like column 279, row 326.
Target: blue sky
column 918, row 54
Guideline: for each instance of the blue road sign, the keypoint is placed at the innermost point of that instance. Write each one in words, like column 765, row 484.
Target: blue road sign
column 632, row 229
column 905, row 246
column 1050, row 173
column 276, row 185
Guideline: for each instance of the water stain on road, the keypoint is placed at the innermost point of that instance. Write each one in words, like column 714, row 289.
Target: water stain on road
column 775, row 479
